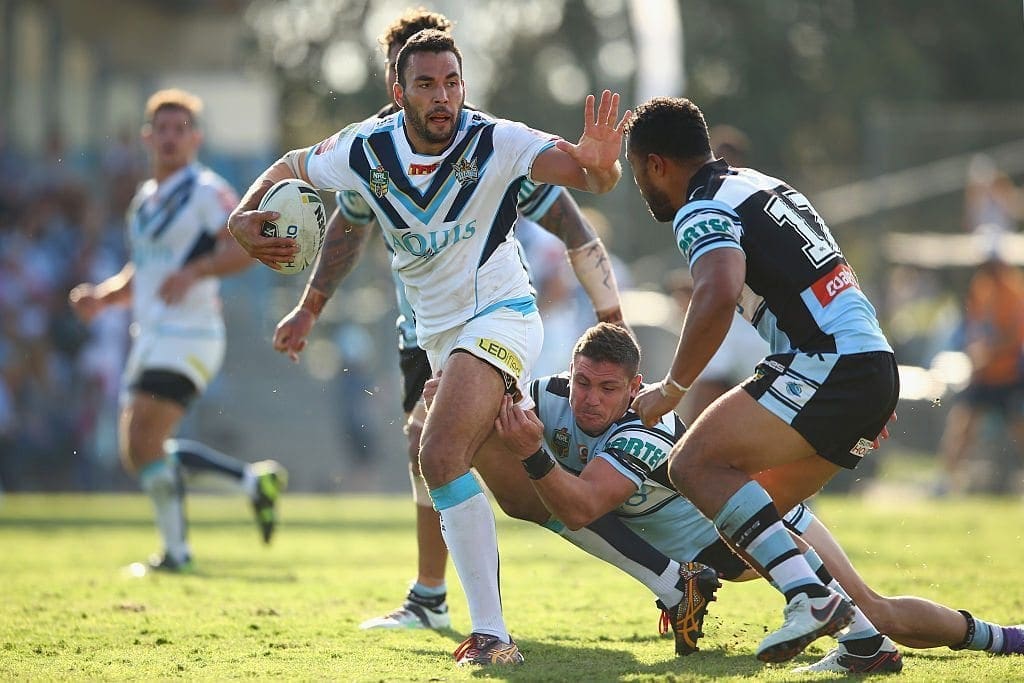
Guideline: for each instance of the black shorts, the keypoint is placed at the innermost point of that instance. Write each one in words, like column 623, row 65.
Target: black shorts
column 415, row 373
column 720, row 557
column 166, row 384
column 839, row 403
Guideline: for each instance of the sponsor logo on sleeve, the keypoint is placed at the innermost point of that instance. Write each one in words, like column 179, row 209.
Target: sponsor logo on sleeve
column 834, row 283
column 691, row 233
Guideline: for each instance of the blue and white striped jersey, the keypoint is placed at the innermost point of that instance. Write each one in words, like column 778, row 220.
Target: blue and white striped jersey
column 449, row 217
column 800, row 292
column 169, row 225
column 668, row 521
column 534, row 201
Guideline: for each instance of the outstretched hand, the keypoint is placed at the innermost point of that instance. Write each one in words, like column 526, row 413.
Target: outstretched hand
column 601, row 142
column 247, row 229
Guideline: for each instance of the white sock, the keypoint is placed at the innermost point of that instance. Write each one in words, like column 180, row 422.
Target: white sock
column 467, row 523
column 662, row 585
column 160, row 480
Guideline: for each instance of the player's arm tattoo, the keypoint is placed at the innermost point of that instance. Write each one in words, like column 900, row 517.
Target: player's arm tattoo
column 588, row 256
column 565, row 221
column 343, row 246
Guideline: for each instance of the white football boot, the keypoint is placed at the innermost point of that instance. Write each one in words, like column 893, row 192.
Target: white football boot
column 886, row 660
column 805, row 619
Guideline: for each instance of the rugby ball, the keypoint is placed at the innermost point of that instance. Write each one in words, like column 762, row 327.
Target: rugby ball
column 303, row 219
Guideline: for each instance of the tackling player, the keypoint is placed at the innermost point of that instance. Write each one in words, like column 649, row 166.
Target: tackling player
column 451, row 231
column 180, row 247
column 587, row 454
column 350, row 227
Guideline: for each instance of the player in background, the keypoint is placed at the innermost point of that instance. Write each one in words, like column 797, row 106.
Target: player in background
column 588, row 454
column 815, row 405
column 425, row 605
column 451, row 231
column 180, row 247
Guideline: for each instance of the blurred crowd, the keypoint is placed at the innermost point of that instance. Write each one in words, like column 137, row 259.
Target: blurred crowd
column 62, row 222
column 59, row 225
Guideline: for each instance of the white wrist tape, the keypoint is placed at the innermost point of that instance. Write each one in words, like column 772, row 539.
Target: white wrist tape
column 593, row 269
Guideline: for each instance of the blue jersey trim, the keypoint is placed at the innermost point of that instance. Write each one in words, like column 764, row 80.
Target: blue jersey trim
column 524, row 305
column 456, row 491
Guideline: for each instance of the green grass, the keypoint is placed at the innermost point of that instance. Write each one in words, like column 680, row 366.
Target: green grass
column 291, row 610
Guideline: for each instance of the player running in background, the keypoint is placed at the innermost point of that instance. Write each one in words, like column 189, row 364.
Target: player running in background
column 425, row 605
column 588, row 454
column 813, row 406
column 451, row 231
column 180, row 247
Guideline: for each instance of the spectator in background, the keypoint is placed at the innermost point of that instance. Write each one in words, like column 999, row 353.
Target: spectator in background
column 993, row 339
column 730, row 143
column 991, row 198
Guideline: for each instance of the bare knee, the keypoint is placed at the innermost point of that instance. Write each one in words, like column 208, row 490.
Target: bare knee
column 413, row 432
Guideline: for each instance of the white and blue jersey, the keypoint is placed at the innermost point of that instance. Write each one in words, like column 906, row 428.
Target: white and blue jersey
column 800, row 293
column 170, row 224
column 656, row 512
column 448, row 217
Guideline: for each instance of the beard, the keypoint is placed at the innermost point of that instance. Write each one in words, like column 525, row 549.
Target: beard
column 659, row 205
column 420, row 123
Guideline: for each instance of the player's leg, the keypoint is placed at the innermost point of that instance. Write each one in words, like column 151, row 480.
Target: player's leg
column 795, row 407
column 425, row 605
column 958, row 435
column 711, row 464
column 145, row 422
column 910, row 620
column 862, row 648
column 460, row 419
column 262, row 481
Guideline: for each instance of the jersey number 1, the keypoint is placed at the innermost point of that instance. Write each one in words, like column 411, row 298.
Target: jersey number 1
column 798, row 214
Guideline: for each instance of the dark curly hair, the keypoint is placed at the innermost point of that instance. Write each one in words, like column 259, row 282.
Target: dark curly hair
column 412, row 21
column 673, row 127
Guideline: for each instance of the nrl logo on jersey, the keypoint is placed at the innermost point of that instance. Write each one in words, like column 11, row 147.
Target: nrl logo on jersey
column 379, row 181
column 560, row 440
column 466, row 171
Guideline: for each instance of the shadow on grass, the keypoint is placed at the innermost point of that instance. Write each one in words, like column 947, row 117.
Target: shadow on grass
column 550, row 661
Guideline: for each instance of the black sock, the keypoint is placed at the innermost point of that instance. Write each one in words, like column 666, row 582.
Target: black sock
column 864, row 647
column 812, row 590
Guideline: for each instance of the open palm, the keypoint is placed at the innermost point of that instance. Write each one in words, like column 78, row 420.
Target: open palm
column 601, row 141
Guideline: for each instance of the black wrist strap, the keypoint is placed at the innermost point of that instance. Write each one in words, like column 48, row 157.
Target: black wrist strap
column 538, row 464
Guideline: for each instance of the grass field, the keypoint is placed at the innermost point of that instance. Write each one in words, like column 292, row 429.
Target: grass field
column 290, row 611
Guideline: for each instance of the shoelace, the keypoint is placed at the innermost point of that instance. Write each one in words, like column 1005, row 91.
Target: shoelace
column 664, row 622
column 466, row 645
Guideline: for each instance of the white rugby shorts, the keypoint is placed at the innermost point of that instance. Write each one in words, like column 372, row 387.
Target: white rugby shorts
column 195, row 353
column 509, row 340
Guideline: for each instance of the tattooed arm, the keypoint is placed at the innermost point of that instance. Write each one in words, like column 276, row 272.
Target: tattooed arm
column 343, row 246
column 587, row 255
